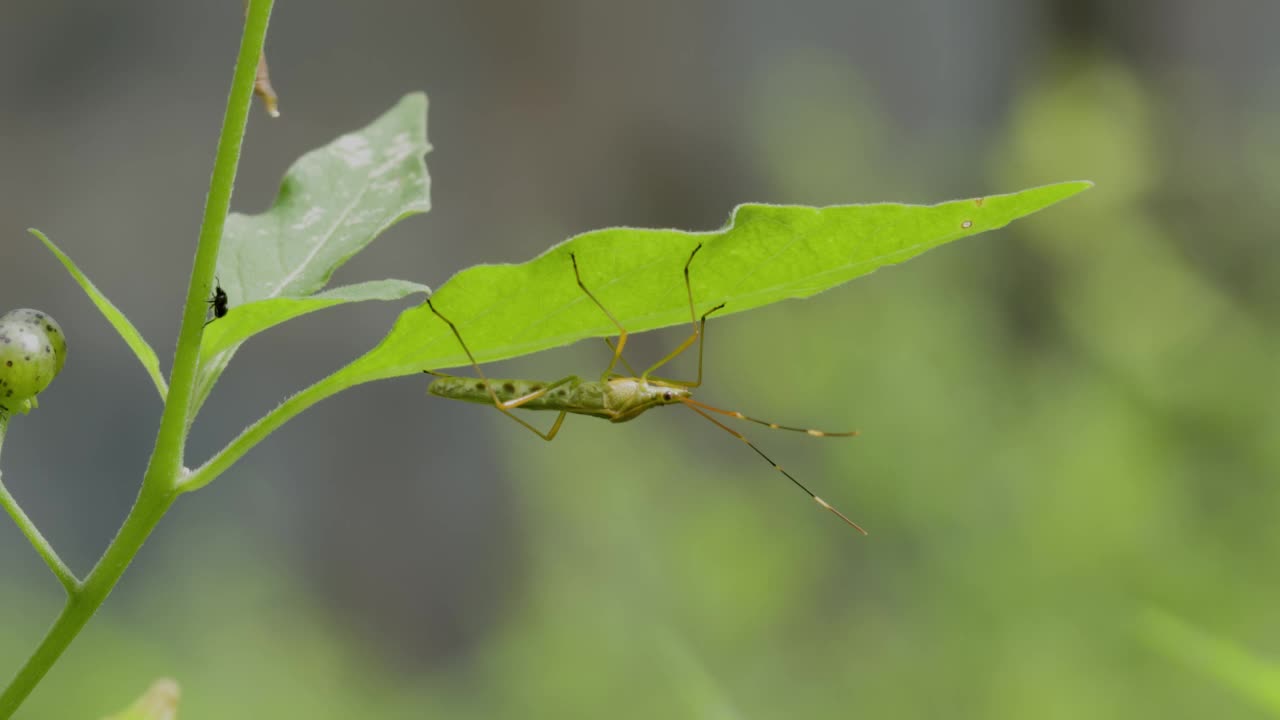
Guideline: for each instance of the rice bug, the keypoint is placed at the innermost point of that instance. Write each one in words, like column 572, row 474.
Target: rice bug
column 614, row 397
column 218, row 302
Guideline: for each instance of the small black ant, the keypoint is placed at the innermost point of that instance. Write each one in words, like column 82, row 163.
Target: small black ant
column 219, row 301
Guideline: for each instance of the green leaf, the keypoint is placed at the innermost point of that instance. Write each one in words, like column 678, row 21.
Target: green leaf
column 765, row 254
column 244, row 321
column 333, row 202
column 131, row 336
column 159, row 702
column 1249, row 676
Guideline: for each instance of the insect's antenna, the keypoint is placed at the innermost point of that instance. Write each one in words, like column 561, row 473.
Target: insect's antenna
column 766, row 423
column 694, row 406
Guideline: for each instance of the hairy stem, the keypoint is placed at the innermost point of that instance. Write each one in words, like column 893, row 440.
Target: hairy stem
column 159, row 484
column 256, row 432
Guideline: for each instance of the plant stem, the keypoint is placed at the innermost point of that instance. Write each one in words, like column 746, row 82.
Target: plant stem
column 265, row 425
column 158, row 485
column 166, row 460
column 42, row 546
column 81, row 606
column 28, row 528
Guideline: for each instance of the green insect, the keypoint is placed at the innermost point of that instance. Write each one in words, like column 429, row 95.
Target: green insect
column 614, row 397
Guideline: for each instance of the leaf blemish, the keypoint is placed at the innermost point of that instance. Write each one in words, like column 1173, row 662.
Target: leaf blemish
column 966, row 224
column 353, row 150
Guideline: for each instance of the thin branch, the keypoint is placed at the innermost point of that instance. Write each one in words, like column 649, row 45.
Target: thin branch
column 166, row 460
column 255, row 433
column 158, row 485
column 42, row 546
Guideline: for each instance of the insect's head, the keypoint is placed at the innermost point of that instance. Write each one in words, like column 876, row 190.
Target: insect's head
column 664, row 393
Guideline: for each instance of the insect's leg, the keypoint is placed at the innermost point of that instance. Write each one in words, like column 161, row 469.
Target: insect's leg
column 504, row 407
column 213, row 301
column 735, row 414
column 699, row 334
column 548, row 435
column 514, row 403
column 822, row 503
column 622, row 332
column 699, row 328
column 625, row 364
column 217, row 284
column 508, row 406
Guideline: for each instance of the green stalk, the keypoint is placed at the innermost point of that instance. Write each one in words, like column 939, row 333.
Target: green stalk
column 28, row 528
column 42, row 546
column 258, row 431
column 159, row 485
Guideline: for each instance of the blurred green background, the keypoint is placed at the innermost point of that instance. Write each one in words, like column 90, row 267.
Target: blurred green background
column 1068, row 426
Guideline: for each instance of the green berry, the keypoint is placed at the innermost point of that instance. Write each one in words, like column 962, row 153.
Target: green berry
column 32, row 351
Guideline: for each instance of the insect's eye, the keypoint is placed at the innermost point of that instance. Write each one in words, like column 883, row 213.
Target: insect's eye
column 666, row 396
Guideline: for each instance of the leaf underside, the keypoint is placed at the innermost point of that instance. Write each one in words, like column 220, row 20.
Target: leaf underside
column 766, row 253
column 332, row 203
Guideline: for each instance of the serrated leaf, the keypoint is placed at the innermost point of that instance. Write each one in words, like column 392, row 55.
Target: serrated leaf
column 333, row 202
column 765, row 254
column 127, row 331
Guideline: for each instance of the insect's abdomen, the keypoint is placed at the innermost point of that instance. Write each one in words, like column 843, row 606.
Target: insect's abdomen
column 474, row 390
